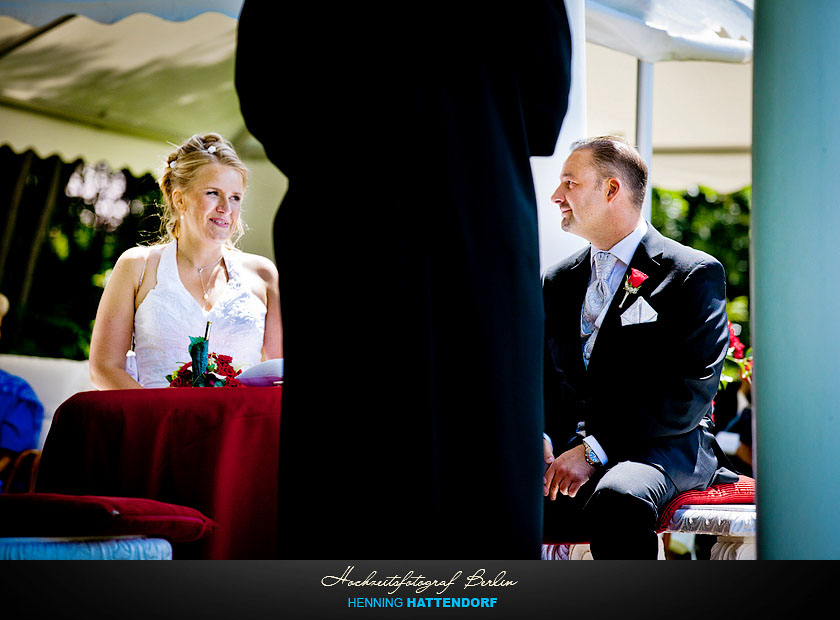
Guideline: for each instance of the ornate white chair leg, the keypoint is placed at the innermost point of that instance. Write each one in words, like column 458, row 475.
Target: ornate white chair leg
column 555, row 552
column 580, row 551
column 660, row 555
column 734, row 548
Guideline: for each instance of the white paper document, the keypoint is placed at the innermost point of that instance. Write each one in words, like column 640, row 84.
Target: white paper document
column 269, row 372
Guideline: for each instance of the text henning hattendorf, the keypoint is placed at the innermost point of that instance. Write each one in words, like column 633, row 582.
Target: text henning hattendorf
column 419, row 582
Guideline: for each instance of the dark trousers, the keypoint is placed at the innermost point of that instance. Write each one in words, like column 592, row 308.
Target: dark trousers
column 616, row 511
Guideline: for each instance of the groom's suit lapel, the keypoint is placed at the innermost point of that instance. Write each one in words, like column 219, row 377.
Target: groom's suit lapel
column 578, row 282
column 646, row 260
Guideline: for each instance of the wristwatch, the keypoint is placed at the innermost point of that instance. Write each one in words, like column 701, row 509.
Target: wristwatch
column 590, row 455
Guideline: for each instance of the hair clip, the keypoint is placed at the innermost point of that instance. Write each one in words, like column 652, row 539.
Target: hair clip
column 211, row 149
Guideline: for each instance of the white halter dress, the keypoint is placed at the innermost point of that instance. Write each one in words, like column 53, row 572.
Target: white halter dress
column 169, row 315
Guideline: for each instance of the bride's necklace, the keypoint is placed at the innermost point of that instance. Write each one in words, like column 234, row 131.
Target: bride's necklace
column 200, row 271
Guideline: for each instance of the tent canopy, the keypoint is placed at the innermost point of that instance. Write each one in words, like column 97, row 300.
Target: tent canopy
column 119, row 92
column 657, row 30
column 119, row 80
column 42, row 12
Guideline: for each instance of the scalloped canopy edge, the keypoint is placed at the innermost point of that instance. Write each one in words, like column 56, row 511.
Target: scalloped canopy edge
column 41, row 12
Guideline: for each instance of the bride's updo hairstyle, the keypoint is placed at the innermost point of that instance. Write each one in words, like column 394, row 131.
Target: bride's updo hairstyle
column 180, row 171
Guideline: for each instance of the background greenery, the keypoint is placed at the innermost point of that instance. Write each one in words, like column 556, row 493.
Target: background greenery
column 718, row 224
column 79, row 246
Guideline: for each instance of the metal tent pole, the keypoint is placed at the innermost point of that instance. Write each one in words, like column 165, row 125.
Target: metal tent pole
column 644, row 120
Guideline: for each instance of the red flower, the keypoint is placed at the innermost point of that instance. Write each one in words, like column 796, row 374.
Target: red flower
column 226, row 370
column 182, row 380
column 632, row 283
column 225, row 359
column 735, row 344
column 636, row 278
column 739, row 355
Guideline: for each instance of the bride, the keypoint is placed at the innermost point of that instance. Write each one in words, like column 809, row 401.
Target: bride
column 160, row 295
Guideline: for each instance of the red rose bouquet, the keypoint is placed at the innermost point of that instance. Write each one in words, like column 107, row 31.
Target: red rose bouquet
column 219, row 373
column 206, row 369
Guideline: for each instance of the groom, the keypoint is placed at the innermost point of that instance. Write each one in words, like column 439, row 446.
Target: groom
column 636, row 335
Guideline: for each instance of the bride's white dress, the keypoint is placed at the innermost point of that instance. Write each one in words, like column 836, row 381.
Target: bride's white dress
column 169, row 315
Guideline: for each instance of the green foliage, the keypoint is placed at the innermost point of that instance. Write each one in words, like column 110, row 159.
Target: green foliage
column 718, row 224
column 78, row 252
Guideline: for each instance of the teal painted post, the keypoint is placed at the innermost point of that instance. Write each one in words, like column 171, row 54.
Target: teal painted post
column 795, row 288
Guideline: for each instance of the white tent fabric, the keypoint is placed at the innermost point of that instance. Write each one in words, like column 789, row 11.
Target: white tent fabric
column 143, row 78
column 657, row 30
column 651, row 30
column 124, row 92
column 42, row 12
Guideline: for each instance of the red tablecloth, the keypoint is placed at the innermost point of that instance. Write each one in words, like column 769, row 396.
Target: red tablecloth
column 215, row 450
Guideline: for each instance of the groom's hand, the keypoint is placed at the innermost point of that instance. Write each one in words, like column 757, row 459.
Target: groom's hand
column 548, row 457
column 567, row 473
column 548, row 451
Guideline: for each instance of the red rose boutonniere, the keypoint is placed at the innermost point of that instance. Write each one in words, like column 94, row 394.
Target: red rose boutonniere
column 632, row 284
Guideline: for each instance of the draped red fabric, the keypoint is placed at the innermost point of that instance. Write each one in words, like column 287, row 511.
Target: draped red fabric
column 212, row 449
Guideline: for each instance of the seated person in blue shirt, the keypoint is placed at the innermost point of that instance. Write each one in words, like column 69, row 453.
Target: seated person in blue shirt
column 21, row 413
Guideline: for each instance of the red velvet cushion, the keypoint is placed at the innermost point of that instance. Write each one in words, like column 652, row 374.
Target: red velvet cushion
column 740, row 492
column 50, row 514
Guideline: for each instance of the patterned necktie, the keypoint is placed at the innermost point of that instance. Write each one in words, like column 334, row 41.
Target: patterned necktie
column 597, row 295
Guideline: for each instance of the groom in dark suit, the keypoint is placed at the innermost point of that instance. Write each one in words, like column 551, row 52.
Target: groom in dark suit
column 636, row 335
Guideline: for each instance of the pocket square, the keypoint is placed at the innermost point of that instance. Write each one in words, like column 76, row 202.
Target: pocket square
column 640, row 312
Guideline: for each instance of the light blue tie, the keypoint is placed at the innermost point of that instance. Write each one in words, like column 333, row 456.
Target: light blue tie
column 597, row 296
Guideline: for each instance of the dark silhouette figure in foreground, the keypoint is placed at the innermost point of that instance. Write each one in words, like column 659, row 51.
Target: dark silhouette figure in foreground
column 409, row 269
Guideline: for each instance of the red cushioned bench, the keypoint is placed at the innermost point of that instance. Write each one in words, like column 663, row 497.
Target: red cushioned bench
column 724, row 510
column 67, row 527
